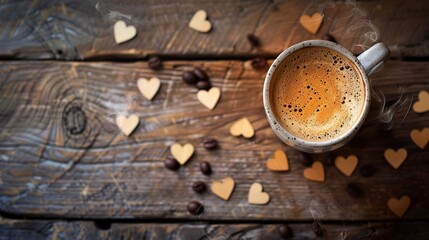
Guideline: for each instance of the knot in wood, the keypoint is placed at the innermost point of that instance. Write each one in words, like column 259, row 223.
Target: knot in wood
column 74, row 119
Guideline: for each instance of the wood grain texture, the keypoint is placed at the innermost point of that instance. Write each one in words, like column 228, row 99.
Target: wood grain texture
column 71, row 29
column 62, row 155
column 39, row 229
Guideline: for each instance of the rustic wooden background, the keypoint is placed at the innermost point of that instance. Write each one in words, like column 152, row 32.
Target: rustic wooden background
column 83, row 170
column 43, row 229
column 76, row 30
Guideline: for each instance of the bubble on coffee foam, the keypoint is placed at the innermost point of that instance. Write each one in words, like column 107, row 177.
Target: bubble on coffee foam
column 323, row 108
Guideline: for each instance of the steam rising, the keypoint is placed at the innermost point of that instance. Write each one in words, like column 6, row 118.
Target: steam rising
column 106, row 11
column 388, row 110
column 358, row 21
column 364, row 33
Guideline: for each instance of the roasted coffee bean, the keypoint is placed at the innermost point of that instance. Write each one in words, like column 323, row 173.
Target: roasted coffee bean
column 205, row 168
column 195, row 208
column 154, row 63
column 201, row 74
column 203, row 85
column 367, row 170
column 210, row 144
column 259, row 63
column 306, row 159
column 253, row 40
column 354, row 190
column 189, row 77
column 199, row 186
column 171, row 163
column 317, row 228
column 329, row 37
column 285, row 231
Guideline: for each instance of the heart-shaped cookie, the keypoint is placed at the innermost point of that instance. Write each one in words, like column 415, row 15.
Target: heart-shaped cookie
column 127, row 124
column 279, row 162
column 420, row 138
column 148, row 87
column 257, row 196
column 311, row 23
column 399, row 207
column 242, row 127
column 346, row 165
column 422, row 105
column 182, row 153
column 223, row 188
column 395, row 158
column 315, row 173
column 199, row 22
column 209, row 98
column 123, row 33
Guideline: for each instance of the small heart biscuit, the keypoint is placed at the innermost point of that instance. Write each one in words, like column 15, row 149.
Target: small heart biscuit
column 257, row 196
column 148, row 87
column 422, row 105
column 122, row 33
column 315, row 173
column 127, row 124
column 346, row 165
column 182, row 153
column 395, row 158
column 279, row 162
column 199, row 22
column 311, row 23
column 399, row 206
column 242, row 127
column 223, row 188
column 209, row 98
column 420, row 138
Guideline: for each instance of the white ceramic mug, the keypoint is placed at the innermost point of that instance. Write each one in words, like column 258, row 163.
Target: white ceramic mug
column 366, row 63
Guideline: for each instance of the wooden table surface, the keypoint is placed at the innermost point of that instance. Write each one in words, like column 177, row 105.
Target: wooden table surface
column 97, row 183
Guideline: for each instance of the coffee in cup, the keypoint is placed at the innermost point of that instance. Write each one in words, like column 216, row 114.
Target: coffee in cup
column 317, row 94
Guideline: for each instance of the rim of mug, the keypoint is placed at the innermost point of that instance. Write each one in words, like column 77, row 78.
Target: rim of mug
column 297, row 142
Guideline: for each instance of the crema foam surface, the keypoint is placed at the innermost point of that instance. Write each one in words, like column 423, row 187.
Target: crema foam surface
column 317, row 93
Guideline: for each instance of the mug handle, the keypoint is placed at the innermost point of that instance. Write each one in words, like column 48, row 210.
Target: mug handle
column 373, row 58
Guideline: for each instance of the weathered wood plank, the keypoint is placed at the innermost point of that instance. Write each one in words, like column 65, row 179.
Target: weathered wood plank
column 47, row 169
column 40, row 229
column 70, row 29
